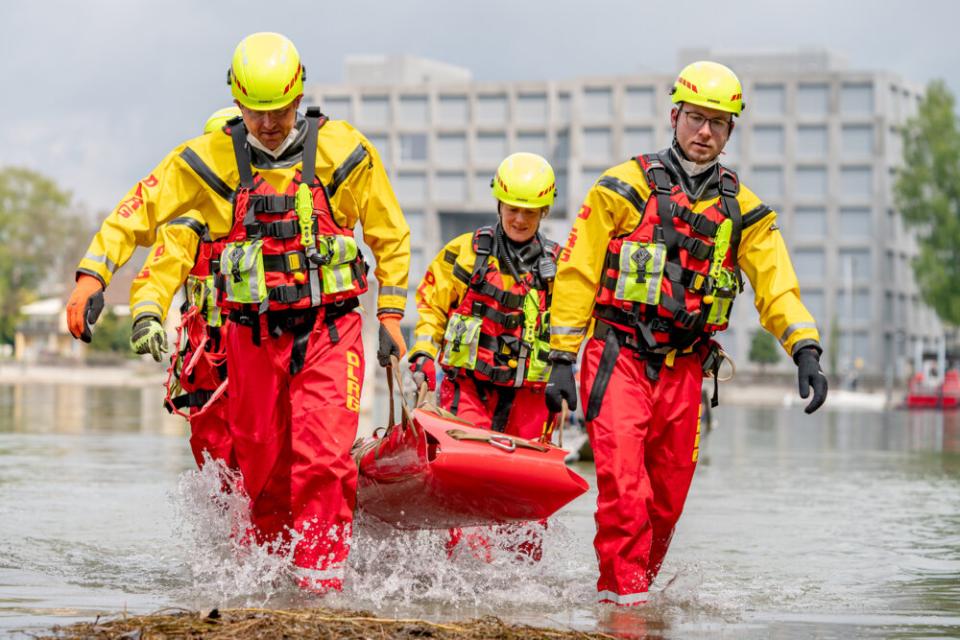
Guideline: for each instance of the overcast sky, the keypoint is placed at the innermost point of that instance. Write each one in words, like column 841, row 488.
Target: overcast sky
column 96, row 92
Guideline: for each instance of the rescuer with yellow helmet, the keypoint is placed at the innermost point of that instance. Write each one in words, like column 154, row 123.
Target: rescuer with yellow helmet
column 284, row 191
column 197, row 383
column 483, row 313
column 482, row 308
column 647, row 277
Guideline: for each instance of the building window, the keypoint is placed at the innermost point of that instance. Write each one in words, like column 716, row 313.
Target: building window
column 856, row 99
column 491, row 147
column 809, row 222
column 895, row 147
column 768, row 141
column 382, row 144
column 337, row 107
column 731, row 149
column 451, row 149
column 591, row 174
column 767, row 182
column 563, row 198
column 857, row 140
column 492, row 109
column 855, row 222
column 457, row 223
column 533, row 142
column 597, row 104
column 813, row 100
column 856, row 183
column 413, row 110
column 889, row 266
column 813, row 300
column 452, row 110
column 808, row 263
column 811, row 183
column 597, row 144
column 768, row 99
column 637, row 140
column 418, row 267
column 413, row 147
column 451, row 187
column 415, row 222
column 563, row 107
column 856, row 307
column 481, row 187
column 375, row 110
column 855, row 264
column 561, row 150
column 638, row 102
column 854, row 345
column 812, row 141
column 411, row 187
column 532, row 108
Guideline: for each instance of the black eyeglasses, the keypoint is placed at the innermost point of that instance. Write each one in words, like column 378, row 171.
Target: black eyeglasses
column 719, row 126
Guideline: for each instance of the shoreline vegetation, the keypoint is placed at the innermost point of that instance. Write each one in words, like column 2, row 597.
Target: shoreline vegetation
column 257, row 624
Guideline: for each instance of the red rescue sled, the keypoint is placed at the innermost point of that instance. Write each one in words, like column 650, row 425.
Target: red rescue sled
column 434, row 471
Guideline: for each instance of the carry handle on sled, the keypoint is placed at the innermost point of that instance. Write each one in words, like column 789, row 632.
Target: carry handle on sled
column 393, row 378
column 555, row 423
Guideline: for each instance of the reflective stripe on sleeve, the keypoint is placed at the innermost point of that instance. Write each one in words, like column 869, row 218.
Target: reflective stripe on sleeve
column 794, row 327
column 393, row 291
column 568, row 331
column 104, row 260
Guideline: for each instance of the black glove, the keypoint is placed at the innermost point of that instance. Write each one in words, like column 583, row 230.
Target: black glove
column 91, row 314
column 560, row 387
column 809, row 375
column 387, row 347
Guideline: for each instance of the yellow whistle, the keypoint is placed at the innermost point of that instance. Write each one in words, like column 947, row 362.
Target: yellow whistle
column 708, row 299
column 299, row 277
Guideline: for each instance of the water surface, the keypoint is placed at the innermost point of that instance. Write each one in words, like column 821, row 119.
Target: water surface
column 833, row 525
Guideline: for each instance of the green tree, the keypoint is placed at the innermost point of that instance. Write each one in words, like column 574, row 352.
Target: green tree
column 38, row 232
column 927, row 193
column 764, row 349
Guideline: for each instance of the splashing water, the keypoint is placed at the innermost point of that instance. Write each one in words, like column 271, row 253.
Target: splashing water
column 226, row 566
column 399, row 572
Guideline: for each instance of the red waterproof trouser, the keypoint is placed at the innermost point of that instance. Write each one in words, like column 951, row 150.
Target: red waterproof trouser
column 645, row 443
column 292, row 438
column 209, row 431
column 528, row 413
column 528, row 410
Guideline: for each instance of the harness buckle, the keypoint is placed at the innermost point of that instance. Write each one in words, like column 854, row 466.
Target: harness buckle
column 685, row 318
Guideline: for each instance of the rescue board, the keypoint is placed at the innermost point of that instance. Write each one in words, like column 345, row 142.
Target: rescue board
column 434, row 471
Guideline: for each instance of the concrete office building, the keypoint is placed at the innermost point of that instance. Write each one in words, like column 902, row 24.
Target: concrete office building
column 819, row 143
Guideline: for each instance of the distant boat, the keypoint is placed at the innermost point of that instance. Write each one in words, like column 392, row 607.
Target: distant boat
column 932, row 393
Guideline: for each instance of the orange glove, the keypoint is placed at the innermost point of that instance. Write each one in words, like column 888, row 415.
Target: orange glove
column 84, row 307
column 391, row 338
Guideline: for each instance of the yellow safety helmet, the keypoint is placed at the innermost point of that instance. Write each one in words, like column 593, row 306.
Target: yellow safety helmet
column 266, row 73
column 525, row 180
column 711, row 85
column 219, row 118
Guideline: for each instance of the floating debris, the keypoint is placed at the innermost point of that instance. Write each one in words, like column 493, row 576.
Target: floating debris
column 256, row 624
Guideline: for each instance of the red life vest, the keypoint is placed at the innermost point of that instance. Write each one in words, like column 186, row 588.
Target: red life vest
column 672, row 280
column 501, row 335
column 270, row 262
column 198, row 366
